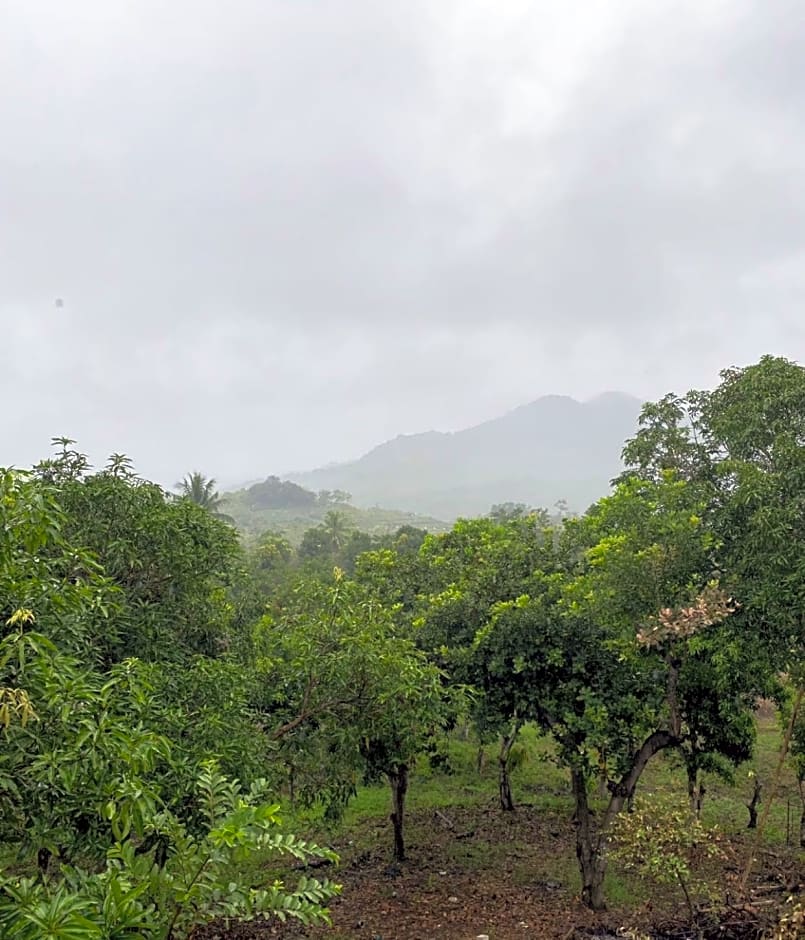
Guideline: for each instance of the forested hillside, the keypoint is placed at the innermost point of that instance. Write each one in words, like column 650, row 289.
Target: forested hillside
column 285, row 507
column 553, row 449
column 560, row 725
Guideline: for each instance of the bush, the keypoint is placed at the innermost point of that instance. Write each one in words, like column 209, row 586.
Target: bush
column 171, row 881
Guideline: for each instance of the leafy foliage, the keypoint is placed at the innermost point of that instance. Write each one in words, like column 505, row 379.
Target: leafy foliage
column 274, row 493
column 340, row 683
column 94, row 791
column 664, row 840
column 180, row 881
column 201, row 491
column 169, row 559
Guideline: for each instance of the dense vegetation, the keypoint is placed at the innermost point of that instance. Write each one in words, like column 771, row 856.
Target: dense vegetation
column 163, row 688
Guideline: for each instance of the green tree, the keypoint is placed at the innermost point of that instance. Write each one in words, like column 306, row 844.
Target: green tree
column 601, row 654
column 201, row 491
column 86, row 782
column 170, row 561
column 339, row 681
column 744, row 443
column 336, row 528
column 504, row 512
column 463, row 574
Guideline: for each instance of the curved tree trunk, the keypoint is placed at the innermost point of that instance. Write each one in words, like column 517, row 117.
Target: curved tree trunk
column 591, row 839
column 398, row 780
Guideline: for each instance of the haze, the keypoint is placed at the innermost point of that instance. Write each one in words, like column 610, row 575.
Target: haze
column 282, row 232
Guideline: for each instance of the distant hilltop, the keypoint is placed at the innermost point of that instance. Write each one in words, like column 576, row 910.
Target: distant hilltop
column 555, row 448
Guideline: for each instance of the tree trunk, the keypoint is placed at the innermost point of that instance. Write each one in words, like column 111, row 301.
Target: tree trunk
column 603, row 776
column 43, row 857
column 504, row 787
column 700, row 800
column 398, row 779
column 592, row 863
column 696, row 791
column 753, row 804
column 591, row 846
column 693, row 774
column 504, row 782
column 480, row 760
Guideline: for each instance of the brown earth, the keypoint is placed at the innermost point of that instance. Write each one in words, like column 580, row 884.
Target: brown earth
column 480, row 872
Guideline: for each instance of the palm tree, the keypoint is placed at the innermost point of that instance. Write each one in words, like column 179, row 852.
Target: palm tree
column 336, row 527
column 201, row 491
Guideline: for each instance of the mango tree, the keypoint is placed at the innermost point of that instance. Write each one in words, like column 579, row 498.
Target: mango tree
column 83, row 775
column 478, row 564
column 603, row 651
column 345, row 695
column 170, row 560
column 744, row 442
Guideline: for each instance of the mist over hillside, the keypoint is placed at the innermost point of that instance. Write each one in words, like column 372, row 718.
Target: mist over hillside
column 553, row 448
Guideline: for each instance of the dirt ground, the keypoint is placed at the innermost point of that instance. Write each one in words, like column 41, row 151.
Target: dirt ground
column 481, row 873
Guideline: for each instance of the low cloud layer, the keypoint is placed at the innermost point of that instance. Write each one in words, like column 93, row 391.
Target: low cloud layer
column 283, row 231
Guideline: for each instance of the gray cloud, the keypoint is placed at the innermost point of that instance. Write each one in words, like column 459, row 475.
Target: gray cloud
column 284, row 231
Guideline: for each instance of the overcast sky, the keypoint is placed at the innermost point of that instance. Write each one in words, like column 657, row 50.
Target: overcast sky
column 285, row 230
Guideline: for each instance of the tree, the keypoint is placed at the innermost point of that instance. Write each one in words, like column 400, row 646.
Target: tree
column 744, row 443
column 601, row 654
column 334, row 543
column 273, row 551
column 327, row 539
column 87, row 782
column 270, row 563
column 274, row 493
column 201, row 491
column 339, row 681
column 43, row 572
column 170, row 561
column 504, row 512
column 467, row 571
column 336, row 528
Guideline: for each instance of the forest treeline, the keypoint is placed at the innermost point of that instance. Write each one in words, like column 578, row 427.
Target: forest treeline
column 164, row 689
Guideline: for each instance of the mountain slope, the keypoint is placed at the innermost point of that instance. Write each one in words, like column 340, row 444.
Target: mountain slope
column 553, row 448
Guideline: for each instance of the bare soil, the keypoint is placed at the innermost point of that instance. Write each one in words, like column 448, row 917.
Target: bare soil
column 508, row 876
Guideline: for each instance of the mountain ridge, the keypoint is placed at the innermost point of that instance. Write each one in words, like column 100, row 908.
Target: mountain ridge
column 554, row 447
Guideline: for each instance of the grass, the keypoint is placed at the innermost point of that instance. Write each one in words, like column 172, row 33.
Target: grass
column 725, row 804
column 527, row 855
column 543, row 785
